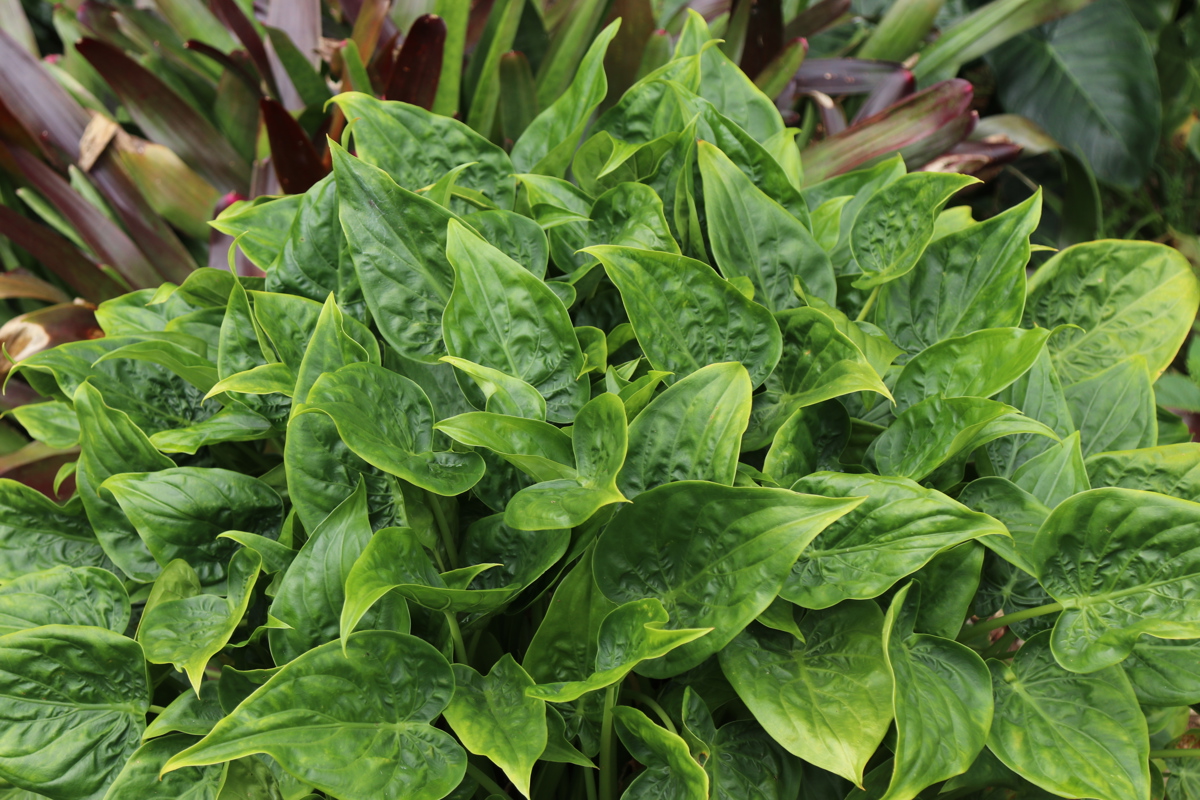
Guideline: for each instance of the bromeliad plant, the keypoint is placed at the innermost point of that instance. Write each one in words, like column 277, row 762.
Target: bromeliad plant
column 671, row 481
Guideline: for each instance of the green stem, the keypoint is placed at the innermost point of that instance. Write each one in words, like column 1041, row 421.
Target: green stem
column 460, row 647
column 653, row 705
column 1175, row 753
column 157, row 709
column 987, row 626
column 866, row 309
column 608, row 769
column 589, row 783
column 483, row 780
column 439, row 517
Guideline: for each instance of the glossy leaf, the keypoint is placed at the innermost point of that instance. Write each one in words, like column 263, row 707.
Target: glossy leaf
column 1167, row 470
column 1105, row 611
column 1114, row 408
column 139, row 777
column 1041, row 708
column 670, row 770
column 674, row 541
column 692, row 431
column 75, row 701
column 395, row 682
column 1141, row 300
column 827, row 699
column 1163, row 671
column 64, row 595
column 1056, row 474
column 896, row 529
column 673, row 303
column 38, row 534
column 387, row 420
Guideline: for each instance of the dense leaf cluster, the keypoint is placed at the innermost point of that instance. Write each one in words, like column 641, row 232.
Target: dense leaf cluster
column 674, row 480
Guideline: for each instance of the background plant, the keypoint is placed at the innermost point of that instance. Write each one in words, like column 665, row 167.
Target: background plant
column 682, row 478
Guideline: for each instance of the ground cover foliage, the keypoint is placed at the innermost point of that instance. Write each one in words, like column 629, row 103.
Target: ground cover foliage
column 673, row 480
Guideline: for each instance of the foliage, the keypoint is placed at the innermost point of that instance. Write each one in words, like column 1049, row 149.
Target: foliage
column 675, row 481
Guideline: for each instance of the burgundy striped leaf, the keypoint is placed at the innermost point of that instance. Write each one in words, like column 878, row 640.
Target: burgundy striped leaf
column 106, row 239
column 764, row 35
column 296, row 161
column 839, row 76
column 816, row 18
column 938, row 117
column 21, row 283
column 58, row 255
column 417, row 68
column 167, row 118
column 890, row 90
column 39, row 104
column 231, row 15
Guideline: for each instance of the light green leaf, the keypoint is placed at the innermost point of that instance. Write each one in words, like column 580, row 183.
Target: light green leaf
column 754, row 237
column 964, row 282
column 629, row 635
column 943, row 700
column 518, row 237
column 1164, row 672
column 494, row 717
column 234, row 423
column 1037, row 394
column 812, row 439
column 53, row 422
column 189, row 631
column 598, row 439
column 502, row 393
column 68, row 692
column 1073, row 735
column 826, row 699
column 325, row 714
column 188, row 713
column 537, row 448
column 692, row 431
column 980, row 364
column 1106, row 610
column 179, row 512
column 139, row 780
column 1141, row 300
column 895, row 530
column 1172, row 469
column 64, row 595
column 679, row 542
column 276, row 378
column 1114, row 408
column 939, row 430
column 1055, row 474
column 386, row 420
column 529, row 335
column 670, row 770
column 37, row 534
column 819, row 363
column 687, row 317
column 895, row 225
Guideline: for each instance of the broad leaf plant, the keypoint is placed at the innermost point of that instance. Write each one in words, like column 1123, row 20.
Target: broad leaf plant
column 668, row 480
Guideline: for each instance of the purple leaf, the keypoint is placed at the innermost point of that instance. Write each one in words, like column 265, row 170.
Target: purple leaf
column 839, row 76
column 891, row 89
column 415, row 74
column 59, row 256
column 816, row 18
column 296, row 161
column 231, row 15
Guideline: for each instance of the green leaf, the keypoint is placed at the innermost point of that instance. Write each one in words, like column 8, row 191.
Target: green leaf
column 112, row 444
column 942, row 697
column 502, row 393
column 1106, row 108
column 939, row 430
column 64, row 596
column 678, row 541
column 323, row 712
column 189, row 631
column 826, row 699
column 753, row 236
column 52, row 422
column 1055, row 474
column 966, row 281
column 1141, row 300
column 687, row 317
column 196, row 369
column 38, row 534
column 234, row 423
column 819, row 363
column 812, row 439
column 312, row 592
column 537, row 448
column 397, row 241
column 895, row 530
column 1021, row 513
column 1114, row 408
column 1171, row 469
column 598, row 439
column 1105, row 610
column 1163, row 672
column 549, row 142
column 179, row 512
column 396, row 138
column 387, row 420
column 260, row 225
column 692, row 431
column 1037, row 394
column 188, row 713
column 138, row 779
column 724, row 85
column 746, row 762
column 68, row 693
column 565, row 644
column 276, row 378
column 670, row 770
column 980, row 364
column 1041, row 712
column 494, row 717
column 518, row 237
column 632, row 633
column 529, row 336
column 894, row 227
